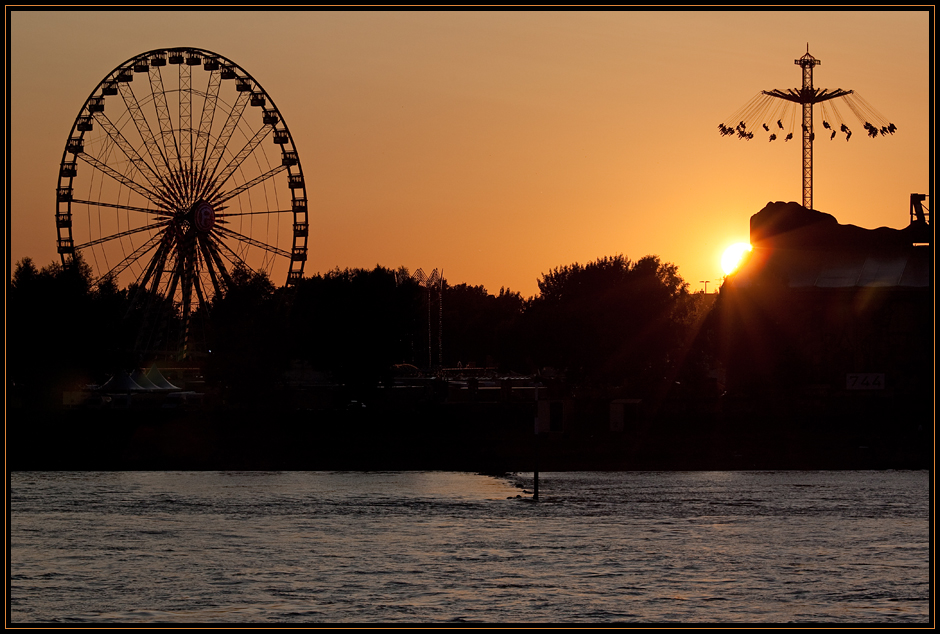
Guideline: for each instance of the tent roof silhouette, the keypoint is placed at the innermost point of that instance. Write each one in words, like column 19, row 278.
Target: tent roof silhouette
column 158, row 380
column 121, row 382
column 145, row 383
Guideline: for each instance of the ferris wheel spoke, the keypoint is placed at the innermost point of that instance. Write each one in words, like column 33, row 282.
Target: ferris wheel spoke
column 209, row 105
column 175, row 275
column 178, row 270
column 96, row 203
column 200, row 295
column 124, row 145
column 231, row 122
column 144, row 278
column 177, row 185
column 152, row 196
column 122, row 234
column 186, row 299
column 230, row 254
column 143, row 129
column 254, row 213
column 157, row 267
column 185, row 181
column 183, row 278
column 171, row 152
column 132, row 257
column 251, row 241
column 184, row 270
column 185, row 111
column 208, row 259
column 246, row 186
column 214, row 257
column 239, row 158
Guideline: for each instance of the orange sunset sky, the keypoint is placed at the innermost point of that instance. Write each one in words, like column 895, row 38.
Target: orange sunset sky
column 499, row 145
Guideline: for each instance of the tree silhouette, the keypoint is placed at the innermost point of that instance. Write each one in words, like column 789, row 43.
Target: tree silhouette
column 248, row 337
column 55, row 323
column 355, row 323
column 610, row 322
column 480, row 328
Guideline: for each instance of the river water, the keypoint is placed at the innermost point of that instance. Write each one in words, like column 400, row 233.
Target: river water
column 442, row 547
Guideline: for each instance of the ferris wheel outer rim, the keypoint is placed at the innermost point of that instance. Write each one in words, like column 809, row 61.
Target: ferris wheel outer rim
column 300, row 226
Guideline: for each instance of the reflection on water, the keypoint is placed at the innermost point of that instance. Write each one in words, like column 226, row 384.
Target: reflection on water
column 437, row 547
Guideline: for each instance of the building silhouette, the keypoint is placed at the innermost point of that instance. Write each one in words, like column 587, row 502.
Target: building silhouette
column 832, row 318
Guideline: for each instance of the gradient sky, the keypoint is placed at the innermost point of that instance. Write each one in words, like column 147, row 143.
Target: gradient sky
column 499, row 145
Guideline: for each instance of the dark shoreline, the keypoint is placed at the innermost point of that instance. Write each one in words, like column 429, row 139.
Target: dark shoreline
column 481, row 437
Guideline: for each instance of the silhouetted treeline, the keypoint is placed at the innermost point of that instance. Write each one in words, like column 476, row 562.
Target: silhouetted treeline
column 61, row 331
column 611, row 322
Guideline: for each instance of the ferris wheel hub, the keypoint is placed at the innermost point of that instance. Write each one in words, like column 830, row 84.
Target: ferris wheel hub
column 203, row 215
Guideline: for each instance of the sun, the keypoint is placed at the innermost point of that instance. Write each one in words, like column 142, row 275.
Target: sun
column 733, row 255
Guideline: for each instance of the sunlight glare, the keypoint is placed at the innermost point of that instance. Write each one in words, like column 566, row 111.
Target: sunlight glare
column 733, row 256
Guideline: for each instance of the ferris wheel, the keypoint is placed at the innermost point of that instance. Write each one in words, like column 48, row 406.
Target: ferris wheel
column 178, row 171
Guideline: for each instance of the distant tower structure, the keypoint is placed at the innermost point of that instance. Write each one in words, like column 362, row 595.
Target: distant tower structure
column 434, row 281
column 771, row 116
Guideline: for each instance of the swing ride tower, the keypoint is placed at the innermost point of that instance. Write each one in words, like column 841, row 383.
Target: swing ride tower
column 806, row 97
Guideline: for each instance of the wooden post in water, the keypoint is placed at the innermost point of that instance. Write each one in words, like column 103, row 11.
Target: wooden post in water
column 540, row 428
